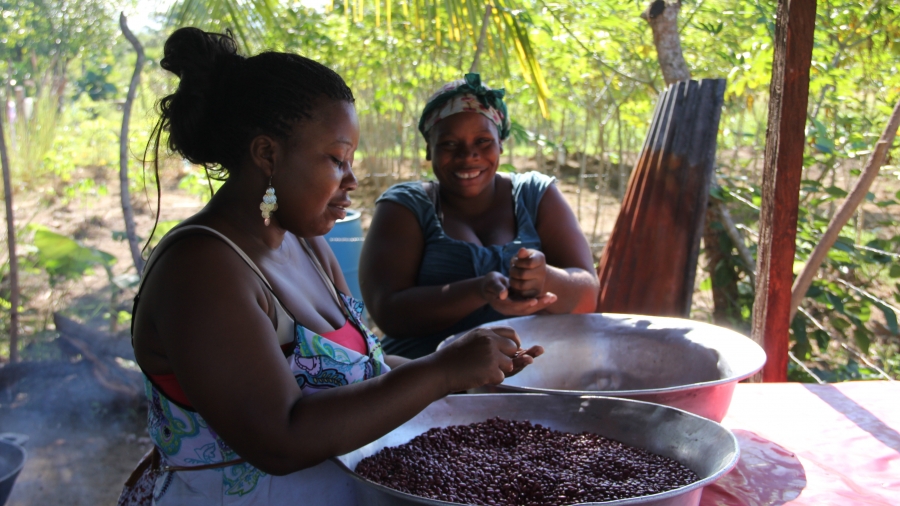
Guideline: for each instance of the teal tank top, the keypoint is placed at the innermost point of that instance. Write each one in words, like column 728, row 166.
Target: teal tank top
column 447, row 260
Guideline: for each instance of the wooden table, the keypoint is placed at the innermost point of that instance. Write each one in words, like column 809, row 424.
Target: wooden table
column 822, row 445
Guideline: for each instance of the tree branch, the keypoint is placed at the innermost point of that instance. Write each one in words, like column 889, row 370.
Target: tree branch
column 662, row 17
column 845, row 212
column 481, row 37
column 127, row 211
column 11, row 243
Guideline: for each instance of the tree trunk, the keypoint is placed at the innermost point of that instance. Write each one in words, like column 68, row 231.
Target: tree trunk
column 663, row 19
column 11, row 241
column 127, row 211
column 717, row 249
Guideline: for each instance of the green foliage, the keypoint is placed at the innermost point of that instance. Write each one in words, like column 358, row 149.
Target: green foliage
column 95, row 83
column 451, row 24
column 37, row 36
column 64, row 258
column 31, row 135
column 840, row 303
column 850, row 370
column 602, row 86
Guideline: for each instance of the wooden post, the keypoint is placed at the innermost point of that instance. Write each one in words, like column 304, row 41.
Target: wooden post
column 782, row 170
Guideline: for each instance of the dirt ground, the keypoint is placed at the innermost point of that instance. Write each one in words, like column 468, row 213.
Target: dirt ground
column 84, row 440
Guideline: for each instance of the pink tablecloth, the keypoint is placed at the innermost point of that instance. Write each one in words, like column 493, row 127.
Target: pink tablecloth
column 820, row 445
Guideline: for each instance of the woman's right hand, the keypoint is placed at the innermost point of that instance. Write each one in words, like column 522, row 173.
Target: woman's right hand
column 483, row 356
column 495, row 291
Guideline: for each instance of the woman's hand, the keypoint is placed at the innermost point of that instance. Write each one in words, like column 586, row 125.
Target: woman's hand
column 527, row 274
column 495, row 289
column 483, row 356
column 525, row 358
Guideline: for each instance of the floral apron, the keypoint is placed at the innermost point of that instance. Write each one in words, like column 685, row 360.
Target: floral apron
column 191, row 464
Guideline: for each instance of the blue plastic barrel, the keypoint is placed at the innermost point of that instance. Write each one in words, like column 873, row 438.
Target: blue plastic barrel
column 346, row 240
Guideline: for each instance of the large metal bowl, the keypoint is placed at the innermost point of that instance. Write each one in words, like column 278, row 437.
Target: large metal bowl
column 704, row 446
column 681, row 363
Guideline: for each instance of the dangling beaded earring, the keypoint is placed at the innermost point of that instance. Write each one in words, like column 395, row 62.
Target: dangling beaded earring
column 269, row 203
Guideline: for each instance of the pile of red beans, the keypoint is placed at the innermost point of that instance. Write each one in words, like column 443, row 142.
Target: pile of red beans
column 501, row 462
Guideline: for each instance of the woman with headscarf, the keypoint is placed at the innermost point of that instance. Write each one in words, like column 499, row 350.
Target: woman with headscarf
column 475, row 245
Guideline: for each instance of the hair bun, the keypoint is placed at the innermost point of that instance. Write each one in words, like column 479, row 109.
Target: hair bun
column 192, row 114
column 192, row 54
column 224, row 99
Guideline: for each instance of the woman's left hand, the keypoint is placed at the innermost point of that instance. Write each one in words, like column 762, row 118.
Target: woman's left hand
column 527, row 274
column 525, row 358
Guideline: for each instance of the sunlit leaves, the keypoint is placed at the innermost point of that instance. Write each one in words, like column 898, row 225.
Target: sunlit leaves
column 455, row 22
column 250, row 20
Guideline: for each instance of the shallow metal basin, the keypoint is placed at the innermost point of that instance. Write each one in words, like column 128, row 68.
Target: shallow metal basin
column 686, row 364
column 704, row 446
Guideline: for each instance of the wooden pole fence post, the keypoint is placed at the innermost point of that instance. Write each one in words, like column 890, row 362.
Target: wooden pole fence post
column 785, row 140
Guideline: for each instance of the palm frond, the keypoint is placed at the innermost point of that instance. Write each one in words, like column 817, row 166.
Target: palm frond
column 459, row 20
column 250, row 20
column 510, row 30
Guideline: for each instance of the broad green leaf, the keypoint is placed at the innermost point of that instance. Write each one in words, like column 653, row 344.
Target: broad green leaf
column 863, row 339
column 822, row 338
column 843, row 244
column 840, row 324
column 890, row 318
column 834, row 191
column 894, row 271
column 835, row 302
column 65, row 258
column 801, row 348
column 861, row 311
column 814, row 291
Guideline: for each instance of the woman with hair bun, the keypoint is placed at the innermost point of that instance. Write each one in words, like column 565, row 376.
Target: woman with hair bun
column 243, row 313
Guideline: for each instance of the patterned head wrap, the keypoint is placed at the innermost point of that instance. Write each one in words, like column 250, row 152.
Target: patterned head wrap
column 466, row 95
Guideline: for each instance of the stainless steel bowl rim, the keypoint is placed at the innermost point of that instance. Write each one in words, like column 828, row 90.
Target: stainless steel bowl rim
column 18, row 468
column 648, row 391
column 616, row 393
column 633, row 500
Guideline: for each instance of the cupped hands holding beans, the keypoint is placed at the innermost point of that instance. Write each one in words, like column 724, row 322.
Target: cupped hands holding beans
column 527, row 273
column 522, row 293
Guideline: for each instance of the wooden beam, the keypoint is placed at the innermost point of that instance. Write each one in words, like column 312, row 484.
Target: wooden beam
column 785, row 140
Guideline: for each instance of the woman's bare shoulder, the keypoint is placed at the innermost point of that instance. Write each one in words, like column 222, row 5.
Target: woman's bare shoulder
column 199, row 260
column 196, row 290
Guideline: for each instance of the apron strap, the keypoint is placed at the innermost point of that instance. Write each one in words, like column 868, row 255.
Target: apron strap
column 321, row 270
